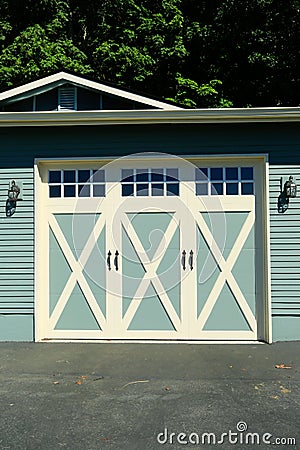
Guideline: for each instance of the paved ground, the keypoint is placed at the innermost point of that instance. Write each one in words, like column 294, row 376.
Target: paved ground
column 134, row 396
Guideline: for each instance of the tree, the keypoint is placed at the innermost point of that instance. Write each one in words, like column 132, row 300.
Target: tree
column 209, row 53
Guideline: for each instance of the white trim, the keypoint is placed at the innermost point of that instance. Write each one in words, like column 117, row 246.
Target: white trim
column 142, row 117
column 170, row 115
column 205, row 158
column 152, row 341
column 47, row 331
column 267, row 257
column 63, row 76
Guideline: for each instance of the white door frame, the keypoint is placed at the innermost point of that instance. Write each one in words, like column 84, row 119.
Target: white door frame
column 42, row 246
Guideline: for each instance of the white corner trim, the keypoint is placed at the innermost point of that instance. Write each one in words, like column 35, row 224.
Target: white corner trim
column 267, row 293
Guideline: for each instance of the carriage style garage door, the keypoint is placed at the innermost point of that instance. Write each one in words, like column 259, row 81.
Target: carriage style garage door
column 150, row 248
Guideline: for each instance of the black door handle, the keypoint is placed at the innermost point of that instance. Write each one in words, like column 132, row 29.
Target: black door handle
column 183, row 259
column 116, row 260
column 108, row 260
column 191, row 259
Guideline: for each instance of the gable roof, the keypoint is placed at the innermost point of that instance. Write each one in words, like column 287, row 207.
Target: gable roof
column 60, row 78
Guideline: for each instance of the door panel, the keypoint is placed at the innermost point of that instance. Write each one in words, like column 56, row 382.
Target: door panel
column 151, row 271
column 150, row 267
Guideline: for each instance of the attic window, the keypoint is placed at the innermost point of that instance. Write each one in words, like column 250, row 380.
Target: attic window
column 67, row 98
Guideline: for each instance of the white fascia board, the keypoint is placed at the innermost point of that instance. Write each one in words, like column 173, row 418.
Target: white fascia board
column 226, row 115
column 62, row 76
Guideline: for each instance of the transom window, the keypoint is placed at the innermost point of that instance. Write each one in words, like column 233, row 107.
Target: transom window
column 149, row 182
column 224, row 181
column 76, row 183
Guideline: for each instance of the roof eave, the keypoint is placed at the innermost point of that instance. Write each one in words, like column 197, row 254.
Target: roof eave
column 40, row 86
column 226, row 115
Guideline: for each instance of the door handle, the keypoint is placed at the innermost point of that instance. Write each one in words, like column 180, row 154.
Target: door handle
column 183, row 259
column 191, row 259
column 108, row 260
column 116, row 260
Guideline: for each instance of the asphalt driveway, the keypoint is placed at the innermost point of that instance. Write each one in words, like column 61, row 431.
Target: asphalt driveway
column 149, row 396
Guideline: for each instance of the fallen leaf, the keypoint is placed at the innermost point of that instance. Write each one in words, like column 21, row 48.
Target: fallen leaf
column 282, row 366
column 285, row 391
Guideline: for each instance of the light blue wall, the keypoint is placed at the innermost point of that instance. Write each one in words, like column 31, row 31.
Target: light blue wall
column 16, row 259
column 285, row 257
column 19, row 147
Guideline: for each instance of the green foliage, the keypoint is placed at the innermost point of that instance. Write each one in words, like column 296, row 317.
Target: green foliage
column 191, row 94
column 213, row 53
column 32, row 54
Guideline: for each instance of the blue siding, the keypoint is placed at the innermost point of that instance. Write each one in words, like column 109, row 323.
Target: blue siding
column 280, row 140
column 19, row 147
column 16, row 259
column 285, row 257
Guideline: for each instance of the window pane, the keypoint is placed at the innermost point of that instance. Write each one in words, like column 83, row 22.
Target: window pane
column 247, row 173
column 157, row 189
column 247, row 189
column 54, row 191
column 142, row 175
column 127, row 189
column 127, row 175
column 201, row 189
column 172, row 188
column 232, row 188
column 142, row 189
column 216, row 174
column 69, row 176
column 157, row 175
column 84, row 190
column 83, row 176
column 232, row 173
column 99, row 190
column 201, row 174
column 216, row 188
column 172, row 174
column 54, row 176
column 98, row 176
column 69, row 191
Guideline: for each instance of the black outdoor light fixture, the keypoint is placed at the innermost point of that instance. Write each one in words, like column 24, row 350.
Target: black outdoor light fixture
column 288, row 191
column 290, row 188
column 12, row 198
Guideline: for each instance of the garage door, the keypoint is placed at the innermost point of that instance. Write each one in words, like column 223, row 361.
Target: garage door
column 148, row 249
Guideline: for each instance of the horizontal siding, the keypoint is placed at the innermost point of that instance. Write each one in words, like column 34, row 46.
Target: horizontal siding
column 280, row 141
column 285, row 256
column 17, row 259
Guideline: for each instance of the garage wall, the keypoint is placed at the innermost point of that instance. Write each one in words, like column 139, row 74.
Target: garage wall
column 280, row 141
column 285, row 257
column 16, row 259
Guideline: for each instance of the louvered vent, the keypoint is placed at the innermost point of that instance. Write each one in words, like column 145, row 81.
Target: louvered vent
column 67, row 99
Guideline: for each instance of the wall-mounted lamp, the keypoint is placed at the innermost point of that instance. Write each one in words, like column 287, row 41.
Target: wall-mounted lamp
column 12, row 198
column 289, row 191
column 290, row 188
